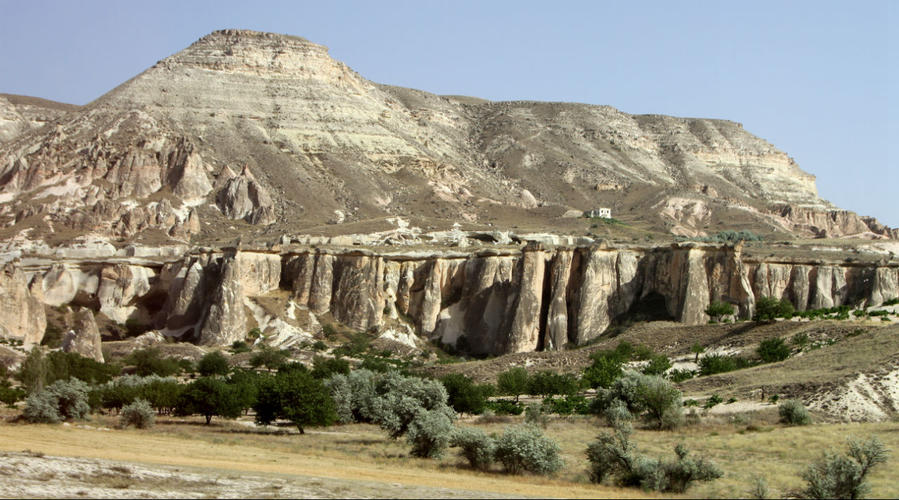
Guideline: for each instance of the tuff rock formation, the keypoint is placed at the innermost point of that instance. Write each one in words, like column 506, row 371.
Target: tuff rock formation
column 22, row 315
column 243, row 132
column 84, row 337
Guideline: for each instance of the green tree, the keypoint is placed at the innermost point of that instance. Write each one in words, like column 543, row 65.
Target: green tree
column 150, row 361
column 773, row 350
column 767, row 309
column 548, row 383
column 606, row 368
column 513, row 382
column 209, row 396
column 655, row 399
column 33, row 372
column 718, row 310
column 464, row 395
column 213, row 363
column 268, row 357
column 297, row 396
column 657, row 365
column 323, row 367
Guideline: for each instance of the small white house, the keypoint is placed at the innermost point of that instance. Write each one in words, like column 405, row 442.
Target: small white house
column 603, row 213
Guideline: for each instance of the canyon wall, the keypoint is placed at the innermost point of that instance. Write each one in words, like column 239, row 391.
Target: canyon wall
column 501, row 300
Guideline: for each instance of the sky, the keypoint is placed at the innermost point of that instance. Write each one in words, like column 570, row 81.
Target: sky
column 817, row 79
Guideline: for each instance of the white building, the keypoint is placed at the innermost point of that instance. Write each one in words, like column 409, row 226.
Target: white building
column 603, row 213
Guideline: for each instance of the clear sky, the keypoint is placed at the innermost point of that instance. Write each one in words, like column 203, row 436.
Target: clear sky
column 818, row 79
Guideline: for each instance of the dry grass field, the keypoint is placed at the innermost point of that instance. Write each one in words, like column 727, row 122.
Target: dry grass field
column 361, row 461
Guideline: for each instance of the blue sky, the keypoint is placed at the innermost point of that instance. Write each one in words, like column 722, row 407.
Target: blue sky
column 816, row 79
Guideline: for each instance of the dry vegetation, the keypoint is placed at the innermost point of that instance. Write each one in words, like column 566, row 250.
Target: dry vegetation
column 359, row 460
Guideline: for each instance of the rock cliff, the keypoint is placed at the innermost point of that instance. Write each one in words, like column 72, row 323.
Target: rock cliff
column 501, row 299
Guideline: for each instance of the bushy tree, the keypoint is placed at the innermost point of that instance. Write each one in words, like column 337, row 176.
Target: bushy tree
column 398, row 399
column 268, row 357
column 475, row 446
column 513, row 382
column 464, row 395
column 773, row 350
column 721, row 363
column 139, row 414
column 10, row 395
column 844, row 476
column 209, row 396
column 718, row 310
column 297, row 396
column 767, row 309
column 658, row 365
column 793, row 412
column 652, row 397
column 548, row 383
column 33, row 371
column 607, row 366
column 429, row 433
column 150, row 361
column 245, row 384
column 61, row 400
column 613, row 455
column 525, row 448
column 323, row 367
column 353, row 395
column 213, row 363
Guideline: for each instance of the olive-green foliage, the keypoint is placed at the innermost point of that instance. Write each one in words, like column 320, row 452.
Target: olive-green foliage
column 239, row 346
column 769, row 308
column 33, row 371
column 717, row 310
column 568, row 405
column 151, row 362
column 139, row 414
column 475, row 446
column 613, row 456
column 245, row 384
column 61, row 400
column 525, row 448
column 606, row 368
column 162, row 393
column 844, row 476
column 52, row 337
column 658, row 364
column 213, row 363
column 513, row 382
column 772, row 350
column 464, row 395
column 720, row 363
column 323, row 367
column 268, row 357
column 297, row 396
column 39, row 370
column 399, row 399
column 793, row 412
column 429, row 433
column 10, row 395
column 353, row 395
column 505, row 407
column 649, row 396
column 209, row 396
column 548, row 383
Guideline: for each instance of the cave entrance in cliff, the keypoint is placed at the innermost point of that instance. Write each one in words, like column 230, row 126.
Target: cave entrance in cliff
column 651, row 307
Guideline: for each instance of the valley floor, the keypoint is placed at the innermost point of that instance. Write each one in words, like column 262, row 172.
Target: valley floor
column 234, row 459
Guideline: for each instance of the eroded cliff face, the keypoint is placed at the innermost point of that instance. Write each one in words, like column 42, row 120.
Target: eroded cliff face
column 500, row 300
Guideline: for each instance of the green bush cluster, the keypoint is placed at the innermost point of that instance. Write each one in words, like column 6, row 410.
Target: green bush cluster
column 721, row 363
column 793, row 412
column 844, row 476
column 139, row 414
column 773, row 350
column 653, row 398
column 767, row 309
column 61, row 400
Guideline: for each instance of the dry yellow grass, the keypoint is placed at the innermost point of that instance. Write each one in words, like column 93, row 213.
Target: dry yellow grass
column 349, row 453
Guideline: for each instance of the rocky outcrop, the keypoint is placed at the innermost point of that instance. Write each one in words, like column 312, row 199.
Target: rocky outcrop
column 22, row 314
column 226, row 319
column 84, row 337
column 242, row 197
column 832, row 223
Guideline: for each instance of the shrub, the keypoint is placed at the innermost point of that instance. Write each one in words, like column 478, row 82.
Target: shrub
column 353, row 395
column 139, row 414
column 525, row 448
column 464, row 395
column 475, row 446
column 62, row 400
column 697, row 349
column 606, row 368
column 680, row 375
column 398, row 400
column 323, row 368
column 718, row 310
column 843, row 476
column 239, row 346
column 658, row 364
column 612, row 455
column 209, row 396
column 429, row 433
column 151, row 362
column 10, row 395
column 792, row 412
column 767, row 309
column 574, row 404
column 513, row 382
column 652, row 397
column 713, row 401
column 268, row 357
column 297, row 396
column 533, row 415
column 547, row 383
column 505, row 407
column 213, row 363
column 772, row 350
column 720, row 363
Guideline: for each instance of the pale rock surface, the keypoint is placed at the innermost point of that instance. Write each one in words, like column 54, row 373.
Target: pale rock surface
column 84, row 337
column 225, row 320
column 22, row 315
